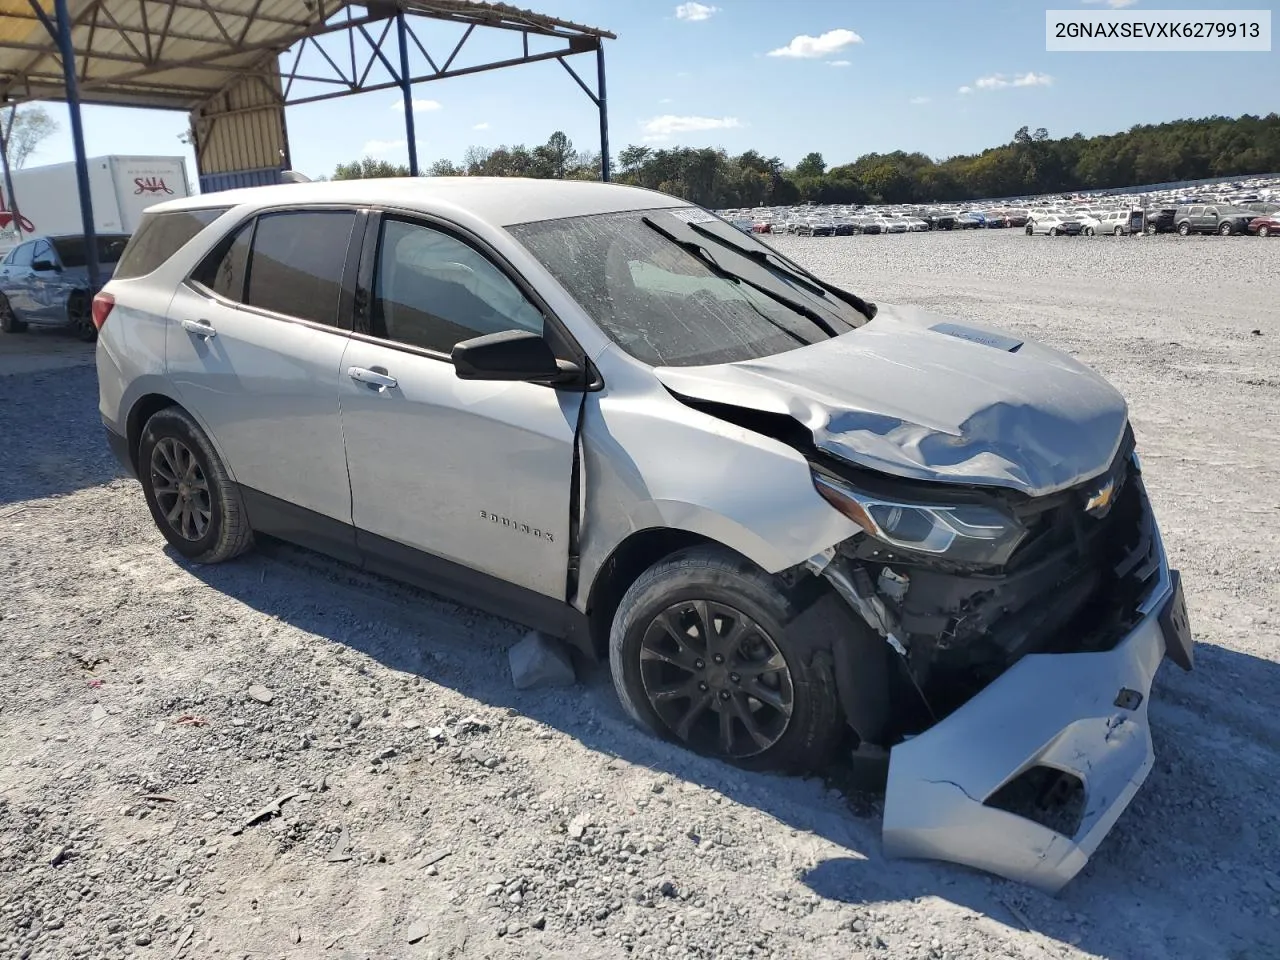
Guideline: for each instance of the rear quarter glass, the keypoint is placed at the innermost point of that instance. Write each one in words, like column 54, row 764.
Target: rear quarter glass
column 160, row 236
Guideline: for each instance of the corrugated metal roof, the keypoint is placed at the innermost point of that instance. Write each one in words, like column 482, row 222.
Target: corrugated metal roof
column 178, row 53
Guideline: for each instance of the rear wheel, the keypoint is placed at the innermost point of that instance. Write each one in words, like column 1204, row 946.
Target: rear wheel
column 1053, row 231
column 1088, row 231
column 9, row 321
column 1030, row 230
column 192, row 499
column 1264, row 231
column 701, row 654
column 80, row 313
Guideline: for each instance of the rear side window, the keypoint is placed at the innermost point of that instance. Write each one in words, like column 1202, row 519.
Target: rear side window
column 159, row 236
column 297, row 261
column 226, row 268
column 22, row 255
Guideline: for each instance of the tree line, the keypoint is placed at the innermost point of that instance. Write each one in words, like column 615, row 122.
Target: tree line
column 1029, row 164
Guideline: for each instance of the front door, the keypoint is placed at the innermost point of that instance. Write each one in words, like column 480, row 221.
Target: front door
column 16, row 278
column 255, row 344
column 462, row 485
column 44, row 286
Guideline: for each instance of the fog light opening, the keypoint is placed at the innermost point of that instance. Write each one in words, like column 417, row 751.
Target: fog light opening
column 1045, row 795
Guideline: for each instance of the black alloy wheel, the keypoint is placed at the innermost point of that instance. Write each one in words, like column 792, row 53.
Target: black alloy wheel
column 716, row 679
column 181, row 489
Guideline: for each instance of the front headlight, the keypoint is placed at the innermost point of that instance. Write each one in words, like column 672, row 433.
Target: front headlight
column 963, row 532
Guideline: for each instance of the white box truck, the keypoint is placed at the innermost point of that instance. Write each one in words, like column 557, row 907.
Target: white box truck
column 120, row 187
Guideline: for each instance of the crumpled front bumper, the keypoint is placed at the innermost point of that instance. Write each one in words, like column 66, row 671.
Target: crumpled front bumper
column 1052, row 710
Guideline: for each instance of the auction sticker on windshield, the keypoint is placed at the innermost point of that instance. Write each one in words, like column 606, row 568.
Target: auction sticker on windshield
column 692, row 215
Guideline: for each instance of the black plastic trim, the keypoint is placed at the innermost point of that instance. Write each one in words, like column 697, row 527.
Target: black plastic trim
column 120, row 449
column 278, row 518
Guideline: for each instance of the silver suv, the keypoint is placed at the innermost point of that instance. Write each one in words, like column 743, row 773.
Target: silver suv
column 792, row 522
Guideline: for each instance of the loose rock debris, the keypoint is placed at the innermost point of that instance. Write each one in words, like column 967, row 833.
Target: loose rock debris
column 270, row 810
column 783, row 870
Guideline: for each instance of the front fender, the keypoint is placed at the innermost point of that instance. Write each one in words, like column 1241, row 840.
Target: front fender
column 653, row 462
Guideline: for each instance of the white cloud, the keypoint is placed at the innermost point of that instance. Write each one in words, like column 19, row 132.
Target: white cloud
column 419, row 106
column 382, row 148
column 655, row 138
column 481, row 126
column 840, row 63
column 998, row 81
column 1032, row 79
column 917, row 101
column 665, row 100
column 806, row 47
column 668, row 124
column 695, row 11
column 1114, row 4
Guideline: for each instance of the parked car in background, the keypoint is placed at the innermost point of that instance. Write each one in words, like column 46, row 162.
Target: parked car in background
column 1265, row 226
column 45, row 282
column 1017, row 218
column 1120, row 223
column 1052, row 225
column 608, row 414
column 1089, row 223
column 1212, row 218
column 971, row 221
column 1162, row 220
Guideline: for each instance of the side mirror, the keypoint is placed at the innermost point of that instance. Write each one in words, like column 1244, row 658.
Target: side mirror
column 510, row 355
column 43, row 266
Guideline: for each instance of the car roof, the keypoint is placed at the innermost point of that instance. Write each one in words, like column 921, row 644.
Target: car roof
column 501, row 201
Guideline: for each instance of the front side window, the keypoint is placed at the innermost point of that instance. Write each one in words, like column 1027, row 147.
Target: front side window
column 296, row 264
column 432, row 290
column 666, row 304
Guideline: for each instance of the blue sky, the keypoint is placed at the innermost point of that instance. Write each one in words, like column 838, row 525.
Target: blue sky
column 844, row 77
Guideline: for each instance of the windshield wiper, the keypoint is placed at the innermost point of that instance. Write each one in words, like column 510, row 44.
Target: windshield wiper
column 795, row 271
column 703, row 254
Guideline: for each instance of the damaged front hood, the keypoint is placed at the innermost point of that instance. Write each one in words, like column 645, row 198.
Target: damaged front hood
column 918, row 395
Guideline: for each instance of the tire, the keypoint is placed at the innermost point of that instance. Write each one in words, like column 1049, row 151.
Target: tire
column 171, row 442
column 1030, row 230
column 9, row 321
column 80, row 314
column 1184, row 229
column 1225, row 229
column 684, row 591
column 1264, row 231
column 1151, row 231
column 1053, row 231
column 1088, row 231
column 1119, row 231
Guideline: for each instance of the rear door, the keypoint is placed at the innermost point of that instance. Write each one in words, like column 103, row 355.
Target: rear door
column 462, row 485
column 254, row 346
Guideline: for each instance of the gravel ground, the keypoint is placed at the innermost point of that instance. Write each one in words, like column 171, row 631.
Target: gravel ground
column 282, row 757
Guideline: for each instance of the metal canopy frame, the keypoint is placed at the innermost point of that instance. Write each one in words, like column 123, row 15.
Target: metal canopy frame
column 181, row 54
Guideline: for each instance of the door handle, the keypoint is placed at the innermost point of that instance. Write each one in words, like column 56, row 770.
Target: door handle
column 201, row 328
column 375, row 378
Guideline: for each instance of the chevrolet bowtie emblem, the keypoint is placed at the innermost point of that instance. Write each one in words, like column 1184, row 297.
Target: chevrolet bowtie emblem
column 1100, row 499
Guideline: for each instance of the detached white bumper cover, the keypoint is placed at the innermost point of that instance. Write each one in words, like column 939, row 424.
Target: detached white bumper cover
column 1051, row 710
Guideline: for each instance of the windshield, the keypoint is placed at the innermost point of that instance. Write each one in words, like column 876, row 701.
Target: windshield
column 669, row 303
column 71, row 250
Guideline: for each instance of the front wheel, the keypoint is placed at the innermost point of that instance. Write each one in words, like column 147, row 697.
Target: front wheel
column 1053, row 231
column 1184, row 229
column 1151, row 231
column 1088, row 231
column 1030, row 230
column 1264, row 231
column 701, row 655
column 1225, row 230
column 1119, row 231
column 191, row 497
column 9, row 321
